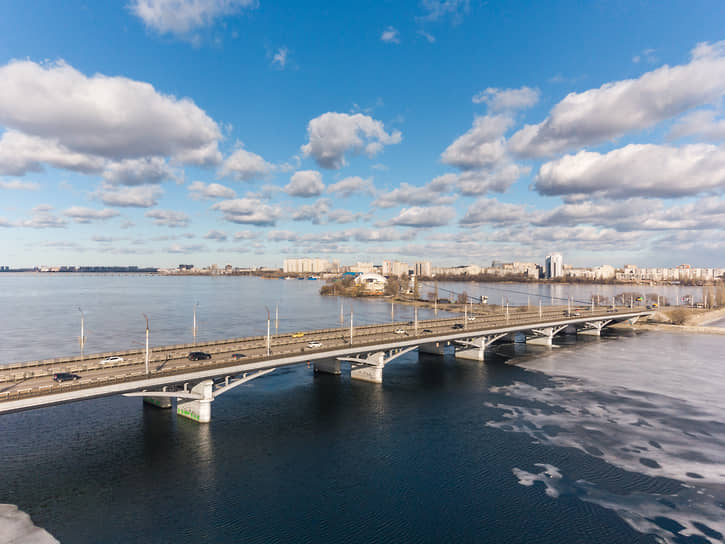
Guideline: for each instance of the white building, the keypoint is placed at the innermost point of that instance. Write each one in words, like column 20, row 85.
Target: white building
column 554, row 266
column 374, row 283
column 423, row 268
column 301, row 266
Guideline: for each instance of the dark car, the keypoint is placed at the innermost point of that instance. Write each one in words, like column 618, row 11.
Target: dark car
column 61, row 377
column 457, row 326
column 238, row 356
column 198, row 356
column 427, row 330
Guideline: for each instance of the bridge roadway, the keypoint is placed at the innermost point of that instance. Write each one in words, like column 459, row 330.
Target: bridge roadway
column 29, row 385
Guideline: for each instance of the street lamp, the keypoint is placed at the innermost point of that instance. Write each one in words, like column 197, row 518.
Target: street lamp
column 147, row 344
column 82, row 338
column 268, row 338
column 194, row 329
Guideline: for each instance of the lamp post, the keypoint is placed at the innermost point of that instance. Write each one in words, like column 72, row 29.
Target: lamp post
column 276, row 319
column 82, row 338
column 268, row 338
column 147, row 344
column 194, row 327
column 351, row 316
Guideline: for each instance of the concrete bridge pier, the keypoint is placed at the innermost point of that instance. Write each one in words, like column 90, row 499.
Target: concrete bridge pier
column 593, row 328
column 197, row 405
column 369, row 367
column 434, row 348
column 475, row 348
column 544, row 336
column 328, row 366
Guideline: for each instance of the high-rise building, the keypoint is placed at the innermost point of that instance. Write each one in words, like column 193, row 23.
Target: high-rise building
column 554, row 266
column 299, row 266
column 423, row 268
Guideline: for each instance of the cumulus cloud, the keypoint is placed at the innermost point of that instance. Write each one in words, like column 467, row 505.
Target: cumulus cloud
column 305, row 183
column 243, row 165
column 169, row 218
column 421, row 216
column 20, row 154
column 79, row 214
column 312, row 212
column 352, row 185
column 244, row 235
column 183, row 16
column 142, row 196
column 614, row 109
column 390, row 35
column 44, row 218
column 251, row 211
column 636, row 170
column 17, row 185
column 282, row 236
column 497, row 179
column 217, row 235
column 701, row 123
column 489, row 211
column 140, row 171
column 507, row 99
column 332, row 135
column 482, row 146
column 413, row 195
column 343, row 216
column 80, row 115
column 202, row 191
column 381, row 235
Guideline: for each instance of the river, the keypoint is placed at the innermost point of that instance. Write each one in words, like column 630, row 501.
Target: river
column 611, row 439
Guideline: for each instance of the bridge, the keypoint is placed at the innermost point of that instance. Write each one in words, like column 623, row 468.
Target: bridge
column 163, row 373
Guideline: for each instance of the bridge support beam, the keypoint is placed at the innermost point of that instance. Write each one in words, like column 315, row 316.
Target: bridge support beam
column 593, row 328
column 434, row 348
column 328, row 366
column 372, row 371
column 475, row 349
column 199, row 409
column 545, row 336
column 158, row 402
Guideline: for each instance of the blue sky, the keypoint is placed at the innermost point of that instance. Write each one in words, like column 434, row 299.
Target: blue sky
column 154, row 132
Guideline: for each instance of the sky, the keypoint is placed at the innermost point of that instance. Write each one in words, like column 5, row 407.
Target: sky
column 244, row 132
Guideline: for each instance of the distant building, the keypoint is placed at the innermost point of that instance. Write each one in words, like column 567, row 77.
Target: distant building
column 423, row 268
column 362, row 268
column 554, row 266
column 302, row 266
column 374, row 283
column 395, row 268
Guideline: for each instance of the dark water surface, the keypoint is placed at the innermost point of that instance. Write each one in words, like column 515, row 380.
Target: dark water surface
column 618, row 439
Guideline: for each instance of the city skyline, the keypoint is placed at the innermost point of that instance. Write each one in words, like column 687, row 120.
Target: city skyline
column 152, row 132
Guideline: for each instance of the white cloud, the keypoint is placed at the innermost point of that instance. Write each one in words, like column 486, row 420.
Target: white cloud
column 17, row 185
column 312, row 212
column 352, row 185
column 183, row 16
column 332, row 135
column 305, row 183
column 202, row 191
column 243, row 165
column 701, row 123
column 390, row 35
column 507, row 99
column 282, row 236
column 20, row 153
column 493, row 212
column 244, row 235
column 439, row 9
column 142, row 196
column 614, row 109
column 482, row 146
column 280, row 57
column 343, row 216
column 419, row 216
column 497, row 179
column 648, row 55
column 44, row 218
column 186, row 248
column 636, row 170
column 169, row 218
column 80, row 114
column 217, row 235
column 86, row 215
column 132, row 172
column 427, row 35
column 249, row 211
column 410, row 194
column 381, row 235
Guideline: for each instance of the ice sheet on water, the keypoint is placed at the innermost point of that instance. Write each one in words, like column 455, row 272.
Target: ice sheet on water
column 16, row 527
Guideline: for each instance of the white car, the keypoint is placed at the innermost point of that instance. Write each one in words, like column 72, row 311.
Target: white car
column 400, row 331
column 314, row 344
column 111, row 360
column 471, row 318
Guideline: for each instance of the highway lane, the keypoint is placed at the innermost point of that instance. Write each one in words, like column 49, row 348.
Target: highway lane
column 165, row 359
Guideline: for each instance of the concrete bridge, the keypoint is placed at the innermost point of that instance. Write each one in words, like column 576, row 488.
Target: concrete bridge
column 164, row 373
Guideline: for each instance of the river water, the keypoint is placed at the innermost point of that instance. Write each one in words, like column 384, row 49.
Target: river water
column 611, row 439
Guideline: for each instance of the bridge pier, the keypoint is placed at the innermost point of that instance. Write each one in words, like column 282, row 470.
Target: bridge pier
column 475, row 348
column 544, row 336
column 158, row 402
column 434, row 348
column 593, row 328
column 328, row 366
column 372, row 371
column 198, row 409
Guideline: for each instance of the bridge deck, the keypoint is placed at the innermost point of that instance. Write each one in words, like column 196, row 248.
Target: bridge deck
column 30, row 385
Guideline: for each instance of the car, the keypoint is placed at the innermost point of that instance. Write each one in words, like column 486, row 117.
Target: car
column 314, row 344
column 61, row 377
column 471, row 318
column 111, row 360
column 457, row 326
column 238, row 356
column 198, row 356
column 573, row 313
column 298, row 335
column 400, row 331
column 427, row 330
